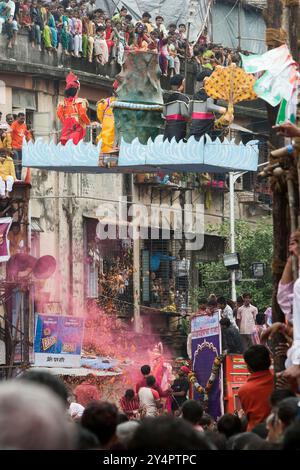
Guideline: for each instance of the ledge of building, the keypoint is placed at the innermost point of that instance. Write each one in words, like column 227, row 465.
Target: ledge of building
column 25, row 59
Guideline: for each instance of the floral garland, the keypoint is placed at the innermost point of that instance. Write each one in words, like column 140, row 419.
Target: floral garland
column 213, row 375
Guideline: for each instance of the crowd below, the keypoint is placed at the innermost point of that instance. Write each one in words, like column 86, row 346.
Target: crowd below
column 84, row 31
column 148, row 417
column 78, row 419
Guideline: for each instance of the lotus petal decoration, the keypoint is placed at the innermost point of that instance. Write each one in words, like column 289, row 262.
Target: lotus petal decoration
column 192, row 155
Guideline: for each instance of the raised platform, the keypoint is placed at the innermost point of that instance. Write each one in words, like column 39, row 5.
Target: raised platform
column 159, row 155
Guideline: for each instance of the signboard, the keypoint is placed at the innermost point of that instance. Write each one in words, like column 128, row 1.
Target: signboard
column 58, row 341
column 5, row 223
column 206, row 346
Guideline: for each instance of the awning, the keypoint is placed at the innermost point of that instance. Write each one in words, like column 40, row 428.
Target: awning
column 76, row 371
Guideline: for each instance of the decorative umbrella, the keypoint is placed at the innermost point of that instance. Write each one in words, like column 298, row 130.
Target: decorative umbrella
column 231, row 84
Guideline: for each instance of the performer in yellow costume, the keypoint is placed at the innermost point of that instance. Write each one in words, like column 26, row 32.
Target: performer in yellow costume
column 106, row 118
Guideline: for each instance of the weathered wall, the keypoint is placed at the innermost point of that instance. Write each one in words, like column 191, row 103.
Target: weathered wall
column 59, row 200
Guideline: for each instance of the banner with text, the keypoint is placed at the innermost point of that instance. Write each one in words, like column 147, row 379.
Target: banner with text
column 58, row 341
column 206, row 345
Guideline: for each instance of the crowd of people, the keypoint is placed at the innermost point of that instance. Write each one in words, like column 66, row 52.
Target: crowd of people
column 78, row 419
column 82, row 30
column 12, row 132
column 242, row 325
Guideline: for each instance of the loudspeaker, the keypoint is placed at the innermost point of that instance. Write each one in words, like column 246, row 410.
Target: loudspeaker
column 40, row 268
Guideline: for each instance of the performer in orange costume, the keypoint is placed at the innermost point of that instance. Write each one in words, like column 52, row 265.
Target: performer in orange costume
column 72, row 112
column 106, row 118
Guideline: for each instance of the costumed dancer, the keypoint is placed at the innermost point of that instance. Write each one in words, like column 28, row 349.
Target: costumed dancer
column 106, row 118
column 202, row 110
column 162, row 371
column 7, row 173
column 176, row 110
column 72, row 112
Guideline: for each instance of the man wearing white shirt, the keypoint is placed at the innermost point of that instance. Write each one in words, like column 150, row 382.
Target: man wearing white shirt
column 226, row 311
column 159, row 22
column 246, row 316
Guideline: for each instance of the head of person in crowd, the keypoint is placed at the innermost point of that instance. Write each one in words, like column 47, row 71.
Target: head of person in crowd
column 192, row 412
column 207, row 422
column 150, row 381
column 247, row 299
column 158, row 21
column 4, row 153
column 154, row 35
column 123, row 11
column 108, row 23
column 212, row 306
column 225, row 323
column 21, row 118
column 183, row 372
column 125, row 431
column 288, row 411
column 128, row 19
column 172, row 28
column 86, row 440
column 239, row 301
column 101, row 418
column 140, row 28
column 257, row 358
column 202, row 76
column 291, row 438
column 202, row 304
column 32, row 417
column 217, row 439
column 221, row 302
column 9, row 119
column 3, row 129
column 182, row 28
column 168, row 433
column 212, row 297
column 45, row 379
column 260, row 319
column 145, row 370
column 229, row 425
column 146, row 17
column 129, row 394
column 247, row 441
column 172, row 39
column 280, row 394
column 261, row 430
column 177, row 84
column 100, row 30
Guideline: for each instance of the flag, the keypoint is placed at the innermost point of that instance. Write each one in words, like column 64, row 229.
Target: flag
column 278, row 82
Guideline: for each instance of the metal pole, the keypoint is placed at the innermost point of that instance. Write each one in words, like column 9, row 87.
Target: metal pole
column 186, row 54
column 239, row 25
column 232, row 230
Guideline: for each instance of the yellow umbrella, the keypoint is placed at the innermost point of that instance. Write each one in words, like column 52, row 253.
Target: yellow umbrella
column 231, row 84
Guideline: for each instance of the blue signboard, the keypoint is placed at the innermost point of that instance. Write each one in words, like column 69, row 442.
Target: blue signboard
column 58, row 340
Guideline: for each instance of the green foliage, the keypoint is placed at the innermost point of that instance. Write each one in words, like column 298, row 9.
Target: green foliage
column 254, row 244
